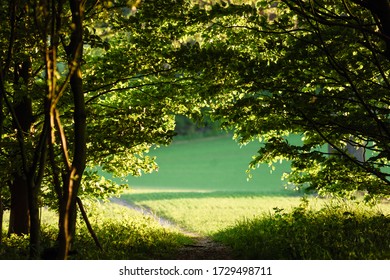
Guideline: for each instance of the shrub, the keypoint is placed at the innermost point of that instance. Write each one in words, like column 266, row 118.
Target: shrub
column 337, row 231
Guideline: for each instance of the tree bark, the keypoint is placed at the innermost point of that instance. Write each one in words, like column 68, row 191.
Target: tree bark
column 73, row 177
column 19, row 215
column 19, row 222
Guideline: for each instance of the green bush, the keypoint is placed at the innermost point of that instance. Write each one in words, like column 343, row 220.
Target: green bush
column 338, row 231
column 14, row 247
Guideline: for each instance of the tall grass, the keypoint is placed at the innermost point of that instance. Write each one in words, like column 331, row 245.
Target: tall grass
column 337, row 231
column 123, row 234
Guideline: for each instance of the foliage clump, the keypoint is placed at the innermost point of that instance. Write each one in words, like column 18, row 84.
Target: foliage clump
column 337, row 231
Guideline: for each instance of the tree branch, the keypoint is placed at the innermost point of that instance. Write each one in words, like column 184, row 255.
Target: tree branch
column 88, row 224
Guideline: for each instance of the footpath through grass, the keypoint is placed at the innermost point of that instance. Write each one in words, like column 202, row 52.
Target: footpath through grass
column 202, row 187
column 266, row 227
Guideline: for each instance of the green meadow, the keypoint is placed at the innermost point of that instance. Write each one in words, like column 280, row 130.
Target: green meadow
column 202, row 185
column 211, row 164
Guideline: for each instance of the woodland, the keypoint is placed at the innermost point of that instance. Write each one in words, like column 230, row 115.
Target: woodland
column 87, row 83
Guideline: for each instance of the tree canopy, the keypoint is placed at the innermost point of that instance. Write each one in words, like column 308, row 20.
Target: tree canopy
column 318, row 69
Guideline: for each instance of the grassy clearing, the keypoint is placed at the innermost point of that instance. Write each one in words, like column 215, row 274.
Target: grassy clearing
column 123, row 234
column 209, row 212
column 264, row 227
column 202, row 184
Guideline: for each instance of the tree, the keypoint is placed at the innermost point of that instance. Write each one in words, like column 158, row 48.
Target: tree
column 99, row 95
column 16, row 71
column 318, row 69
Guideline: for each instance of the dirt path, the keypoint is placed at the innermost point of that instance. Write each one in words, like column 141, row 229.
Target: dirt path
column 204, row 248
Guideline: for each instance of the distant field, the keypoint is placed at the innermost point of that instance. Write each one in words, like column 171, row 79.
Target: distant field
column 202, row 185
column 211, row 164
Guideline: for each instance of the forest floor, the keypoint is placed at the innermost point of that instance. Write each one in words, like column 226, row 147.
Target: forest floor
column 203, row 248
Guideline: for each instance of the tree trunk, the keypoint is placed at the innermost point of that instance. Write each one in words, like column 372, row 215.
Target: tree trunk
column 67, row 218
column 19, row 221
column 73, row 177
column 19, row 216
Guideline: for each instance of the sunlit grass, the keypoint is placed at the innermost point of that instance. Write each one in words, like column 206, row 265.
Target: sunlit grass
column 240, row 220
column 277, row 227
column 127, row 234
column 211, row 164
column 202, row 188
column 202, row 184
column 209, row 212
column 123, row 233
